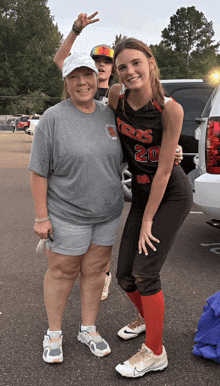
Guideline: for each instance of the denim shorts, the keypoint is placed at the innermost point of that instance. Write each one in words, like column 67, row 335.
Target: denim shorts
column 73, row 240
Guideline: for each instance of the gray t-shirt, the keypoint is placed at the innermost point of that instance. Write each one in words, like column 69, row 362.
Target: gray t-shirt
column 80, row 155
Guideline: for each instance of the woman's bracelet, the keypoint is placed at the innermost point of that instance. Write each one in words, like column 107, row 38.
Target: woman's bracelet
column 42, row 220
column 76, row 30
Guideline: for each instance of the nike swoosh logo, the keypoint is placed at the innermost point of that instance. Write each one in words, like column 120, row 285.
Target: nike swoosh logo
column 144, row 370
column 129, row 332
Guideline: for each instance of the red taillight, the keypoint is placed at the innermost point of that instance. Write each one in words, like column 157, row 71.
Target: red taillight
column 213, row 146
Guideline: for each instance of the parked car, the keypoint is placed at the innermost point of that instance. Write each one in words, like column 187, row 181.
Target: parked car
column 33, row 121
column 193, row 95
column 207, row 182
column 23, row 123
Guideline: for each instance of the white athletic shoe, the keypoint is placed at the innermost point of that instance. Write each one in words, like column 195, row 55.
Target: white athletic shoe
column 52, row 345
column 98, row 346
column 143, row 362
column 105, row 291
column 133, row 329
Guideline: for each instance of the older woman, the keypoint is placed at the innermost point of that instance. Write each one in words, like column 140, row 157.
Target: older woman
column 77, row 192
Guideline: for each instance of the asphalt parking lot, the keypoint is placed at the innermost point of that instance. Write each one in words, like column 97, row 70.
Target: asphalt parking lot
column 189, row 276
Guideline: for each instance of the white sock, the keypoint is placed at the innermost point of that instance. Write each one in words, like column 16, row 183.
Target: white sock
column 54, row 334
column 91, row 328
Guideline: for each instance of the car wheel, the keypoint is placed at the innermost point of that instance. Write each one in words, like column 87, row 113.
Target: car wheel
column 126, row 182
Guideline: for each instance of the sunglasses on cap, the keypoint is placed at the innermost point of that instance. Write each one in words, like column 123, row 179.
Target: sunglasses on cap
column 102, row 51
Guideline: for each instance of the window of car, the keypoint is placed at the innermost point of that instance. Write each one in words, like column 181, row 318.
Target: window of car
column 193, row 102
column 24, row 119
column 192, row 95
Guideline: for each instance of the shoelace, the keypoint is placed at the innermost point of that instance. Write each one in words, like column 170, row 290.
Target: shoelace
column 136, row 323
column 54, row 343
column 141, row 354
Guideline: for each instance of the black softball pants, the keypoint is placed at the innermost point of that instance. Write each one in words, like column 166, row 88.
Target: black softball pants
column 140, row 272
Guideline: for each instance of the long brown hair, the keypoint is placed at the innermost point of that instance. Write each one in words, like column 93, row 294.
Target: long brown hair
column 135, row 44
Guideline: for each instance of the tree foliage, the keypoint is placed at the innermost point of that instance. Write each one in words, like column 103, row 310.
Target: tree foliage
column 28, row 42
column 189, row 32
column 117, row 39
column 187, row 49
column 170, row 63
column 32, row 103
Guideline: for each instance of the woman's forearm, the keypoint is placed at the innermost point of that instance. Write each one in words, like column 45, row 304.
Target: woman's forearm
column 81, row 22
column 158, row 188
column 64, row 50
column 172, row 123
column 39, row 193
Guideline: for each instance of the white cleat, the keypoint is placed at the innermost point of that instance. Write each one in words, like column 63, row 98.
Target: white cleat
column 133, row 329
column 143, row 362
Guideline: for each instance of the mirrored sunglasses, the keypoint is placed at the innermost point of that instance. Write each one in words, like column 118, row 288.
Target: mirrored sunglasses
column 104, row 51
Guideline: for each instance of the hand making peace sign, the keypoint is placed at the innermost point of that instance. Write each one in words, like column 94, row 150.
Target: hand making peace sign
column 83, row 20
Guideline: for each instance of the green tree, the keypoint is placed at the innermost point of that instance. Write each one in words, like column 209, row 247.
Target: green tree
column 28, row 42
column 170, row 63
column 117, row 39
column 189, row 32
column 32, row 103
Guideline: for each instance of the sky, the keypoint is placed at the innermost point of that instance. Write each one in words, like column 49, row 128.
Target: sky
column 141, row 19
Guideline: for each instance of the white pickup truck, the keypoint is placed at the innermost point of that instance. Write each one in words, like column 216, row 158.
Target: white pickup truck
column 207, row 183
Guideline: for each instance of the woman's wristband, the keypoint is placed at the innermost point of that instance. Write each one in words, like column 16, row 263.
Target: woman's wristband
column 76, row 30
column 42, row 220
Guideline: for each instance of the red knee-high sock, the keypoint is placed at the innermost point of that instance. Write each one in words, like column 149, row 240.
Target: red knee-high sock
column 153, row 307
column 135, row 297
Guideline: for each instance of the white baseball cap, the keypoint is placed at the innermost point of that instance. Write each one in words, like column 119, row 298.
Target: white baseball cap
column 76, row 61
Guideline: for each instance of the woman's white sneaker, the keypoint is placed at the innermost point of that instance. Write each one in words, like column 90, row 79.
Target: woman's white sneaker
column 98, row 346
column 105, row 291
column 143, row 362
column 52, row 345
column 133, row 329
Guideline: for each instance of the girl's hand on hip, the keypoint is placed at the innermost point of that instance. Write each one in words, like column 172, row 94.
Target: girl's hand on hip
column 43, row 228
column 83, row 20
column 179, row 154
column 146, row 237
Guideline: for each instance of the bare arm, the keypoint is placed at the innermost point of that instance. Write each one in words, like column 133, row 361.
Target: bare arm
column 172, row 122
column 113, row 96
column 81, row 22
column 39, row 193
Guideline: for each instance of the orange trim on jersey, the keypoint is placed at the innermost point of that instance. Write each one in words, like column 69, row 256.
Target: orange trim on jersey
column 144, row 179
column 157, row 106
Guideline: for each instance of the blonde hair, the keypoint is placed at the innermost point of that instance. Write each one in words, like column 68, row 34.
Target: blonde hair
column 135, row 44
